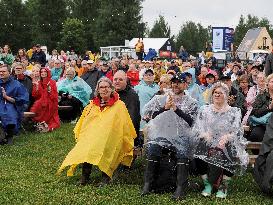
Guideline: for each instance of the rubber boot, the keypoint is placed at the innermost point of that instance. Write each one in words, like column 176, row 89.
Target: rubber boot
column 86, row 171
column 208, row 187
column 149, row 175
column 222, row 190
column 9, row 136
column 182, row 175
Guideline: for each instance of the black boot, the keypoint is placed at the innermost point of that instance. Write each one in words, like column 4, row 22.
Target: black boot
column 86, row 171
column 182, row 170
column 149, row 175
column 9, row 136
column 105, row 180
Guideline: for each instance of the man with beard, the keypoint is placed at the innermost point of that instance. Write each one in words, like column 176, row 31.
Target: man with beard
column 171, row 116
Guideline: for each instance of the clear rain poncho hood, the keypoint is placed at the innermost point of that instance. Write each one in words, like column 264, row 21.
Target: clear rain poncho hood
column 168, row 129
column 76, row 87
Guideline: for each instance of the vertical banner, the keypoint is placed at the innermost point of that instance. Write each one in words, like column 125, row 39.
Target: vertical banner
column 222, row 38
column 217, row 38
column 229, row 38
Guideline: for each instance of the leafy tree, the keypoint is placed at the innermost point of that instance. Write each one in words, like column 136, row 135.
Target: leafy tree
column 248, row 22
column 14, row 25
column 193, row 37
column 117, row 21
column 86, row 11
column 47, row 20
column 160, row 29
column 73, row 35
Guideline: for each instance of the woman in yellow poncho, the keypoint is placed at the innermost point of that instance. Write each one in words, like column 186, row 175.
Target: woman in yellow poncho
column 104, row 135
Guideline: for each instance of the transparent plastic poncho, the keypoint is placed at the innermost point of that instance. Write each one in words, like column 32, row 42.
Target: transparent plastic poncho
column 167, row 129
column 219, row 138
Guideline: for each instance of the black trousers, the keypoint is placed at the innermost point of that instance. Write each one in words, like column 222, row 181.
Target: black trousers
column 69, row 115
column 257, row 133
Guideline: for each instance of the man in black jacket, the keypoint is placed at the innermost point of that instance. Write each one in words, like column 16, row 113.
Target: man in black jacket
column 92, row 76
column 39, row 56
column 263, row 169
column 131, row 100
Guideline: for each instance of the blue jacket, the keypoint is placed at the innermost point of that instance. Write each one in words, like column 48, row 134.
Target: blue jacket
column 145, row 93
column 12, row 113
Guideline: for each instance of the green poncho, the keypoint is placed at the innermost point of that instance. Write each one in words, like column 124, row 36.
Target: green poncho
column 76, row 87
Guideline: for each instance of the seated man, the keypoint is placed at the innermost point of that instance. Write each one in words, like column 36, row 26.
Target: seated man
column 13, row 101
column 24, row 79
column 171, row 115
column 263, row 169
column 130, row 98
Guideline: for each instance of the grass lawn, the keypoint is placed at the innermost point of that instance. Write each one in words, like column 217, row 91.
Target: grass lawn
column 28, row 176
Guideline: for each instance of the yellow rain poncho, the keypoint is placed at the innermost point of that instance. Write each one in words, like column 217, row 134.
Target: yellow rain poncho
column 104, row 138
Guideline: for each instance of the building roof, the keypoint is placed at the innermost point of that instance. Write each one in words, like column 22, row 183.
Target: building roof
column 249, row 39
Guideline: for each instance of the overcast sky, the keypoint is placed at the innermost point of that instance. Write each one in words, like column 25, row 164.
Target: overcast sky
column 209, row 12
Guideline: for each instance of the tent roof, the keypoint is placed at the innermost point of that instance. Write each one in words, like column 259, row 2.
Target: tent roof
column 155, row 43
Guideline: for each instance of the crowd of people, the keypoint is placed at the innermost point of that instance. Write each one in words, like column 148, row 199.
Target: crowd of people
column 188, row 114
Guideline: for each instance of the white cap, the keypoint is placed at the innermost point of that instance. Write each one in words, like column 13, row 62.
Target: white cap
column 2, row 63
column 90, row 62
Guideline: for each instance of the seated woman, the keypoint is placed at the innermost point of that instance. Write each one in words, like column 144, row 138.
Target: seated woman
column 74, row 92
column 220, row 146
column 45, row 104
column 252, row 94
column 104, row 135
column 262, row 109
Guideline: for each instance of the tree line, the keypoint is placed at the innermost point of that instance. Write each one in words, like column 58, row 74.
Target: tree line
column 195, row 37
column 89, row 24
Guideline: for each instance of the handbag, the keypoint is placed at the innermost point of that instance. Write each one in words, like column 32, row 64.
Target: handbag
column 42, row 127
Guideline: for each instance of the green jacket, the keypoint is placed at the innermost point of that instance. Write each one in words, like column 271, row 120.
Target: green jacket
column 7, row 59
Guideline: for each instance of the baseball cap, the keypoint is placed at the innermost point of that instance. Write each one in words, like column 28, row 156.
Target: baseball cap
column 90, row 62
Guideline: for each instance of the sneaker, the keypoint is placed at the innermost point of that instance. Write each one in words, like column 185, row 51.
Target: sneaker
column 221, row 194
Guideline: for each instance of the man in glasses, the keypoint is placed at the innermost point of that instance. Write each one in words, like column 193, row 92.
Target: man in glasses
column 130, row 98
column 14, row 100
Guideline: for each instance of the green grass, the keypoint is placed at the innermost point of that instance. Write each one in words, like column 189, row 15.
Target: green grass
column 28, row 176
